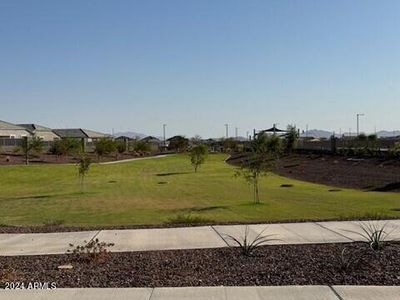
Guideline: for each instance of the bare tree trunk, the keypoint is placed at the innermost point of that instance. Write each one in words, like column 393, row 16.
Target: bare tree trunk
column 82, row 178
column 255, row 187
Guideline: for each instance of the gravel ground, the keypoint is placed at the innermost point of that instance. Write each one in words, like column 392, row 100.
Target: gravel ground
column 371, row 174
column 317, row 264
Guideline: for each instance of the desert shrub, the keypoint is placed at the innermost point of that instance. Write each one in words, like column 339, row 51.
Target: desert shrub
column 53, row 222
column 141, row 146
column 188, row 219
column 92, row 251
column 395, row 151
column 104, row 146
column 120, row 146
column 248, row 246
column 66, row 146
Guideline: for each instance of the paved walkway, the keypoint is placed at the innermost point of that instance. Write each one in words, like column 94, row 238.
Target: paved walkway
column 214, row 293
column 131, row 159
column 187, row 237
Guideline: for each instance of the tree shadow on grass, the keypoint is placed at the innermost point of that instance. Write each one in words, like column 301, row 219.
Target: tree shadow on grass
column 171, row 174
column 45, row 196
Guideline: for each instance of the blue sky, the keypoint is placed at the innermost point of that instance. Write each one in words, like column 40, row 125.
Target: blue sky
column 196, row 65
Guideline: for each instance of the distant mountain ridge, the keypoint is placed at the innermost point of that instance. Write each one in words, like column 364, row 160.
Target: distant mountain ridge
column 318, row 133
column 386, row 133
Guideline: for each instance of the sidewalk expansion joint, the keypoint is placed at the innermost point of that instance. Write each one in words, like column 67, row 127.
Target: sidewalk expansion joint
column 336, row 293
column 342, row 235
column 216, row 231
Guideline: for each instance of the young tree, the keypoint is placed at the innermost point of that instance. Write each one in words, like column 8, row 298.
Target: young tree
column 83, row 168
column 265, row 151
column 104, row 146
column 30, row 145
column 291, row 138
column 198, row 155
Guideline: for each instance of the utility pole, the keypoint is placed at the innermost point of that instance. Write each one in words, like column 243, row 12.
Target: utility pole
column 164, row 126
column 226, row 130
column 358, row 123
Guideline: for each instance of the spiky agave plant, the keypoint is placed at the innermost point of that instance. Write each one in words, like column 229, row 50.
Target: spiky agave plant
column 247, row 245
column 374, row 234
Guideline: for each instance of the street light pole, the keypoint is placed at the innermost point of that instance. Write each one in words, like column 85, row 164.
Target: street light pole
column 358, row 123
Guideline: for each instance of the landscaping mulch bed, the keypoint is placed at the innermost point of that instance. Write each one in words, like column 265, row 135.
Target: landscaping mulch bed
column 370, row 174
column 317, row 264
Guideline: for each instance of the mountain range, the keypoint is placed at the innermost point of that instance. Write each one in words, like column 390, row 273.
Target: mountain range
column 318, row 133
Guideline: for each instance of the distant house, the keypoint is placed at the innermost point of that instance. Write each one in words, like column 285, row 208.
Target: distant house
column 85, row 135
column 80, row 133
column 12, row 131
column 45, row 133
column 155, row 143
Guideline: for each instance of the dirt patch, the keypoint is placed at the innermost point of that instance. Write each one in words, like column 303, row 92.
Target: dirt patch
column 374, row 174
column 271, row 265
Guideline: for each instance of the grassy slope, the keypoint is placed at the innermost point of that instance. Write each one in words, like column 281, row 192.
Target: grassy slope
column 130, row 193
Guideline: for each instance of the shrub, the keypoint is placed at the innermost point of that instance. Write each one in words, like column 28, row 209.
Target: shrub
column 92, row 251
column 66, row 146
column 247, row 245
column 188, row 219
column 104, row 146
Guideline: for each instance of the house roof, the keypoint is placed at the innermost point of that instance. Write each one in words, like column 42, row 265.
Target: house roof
column 150, row 138
column 78, row 133
column 9, row 126
column 35, row 127
column 124, row 137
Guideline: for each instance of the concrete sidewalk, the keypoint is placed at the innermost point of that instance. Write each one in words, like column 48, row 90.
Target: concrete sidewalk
column 188, row 237
column 131, row 159
column 213, row 293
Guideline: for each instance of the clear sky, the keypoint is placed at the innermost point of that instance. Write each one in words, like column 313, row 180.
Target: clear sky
column 196, row 65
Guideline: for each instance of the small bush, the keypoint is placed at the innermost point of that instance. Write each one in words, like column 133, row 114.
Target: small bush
column 92, row 251
column 188, row 219
column 247, row 245
column 53, row 222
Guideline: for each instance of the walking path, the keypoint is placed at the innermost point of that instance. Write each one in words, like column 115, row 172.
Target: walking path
column 131, row 159
column 188, row 237
column 213, row 293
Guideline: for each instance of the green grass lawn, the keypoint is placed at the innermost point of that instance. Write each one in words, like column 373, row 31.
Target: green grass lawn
column 156, row 190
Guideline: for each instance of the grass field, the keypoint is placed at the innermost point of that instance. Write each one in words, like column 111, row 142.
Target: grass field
column 157, row 190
